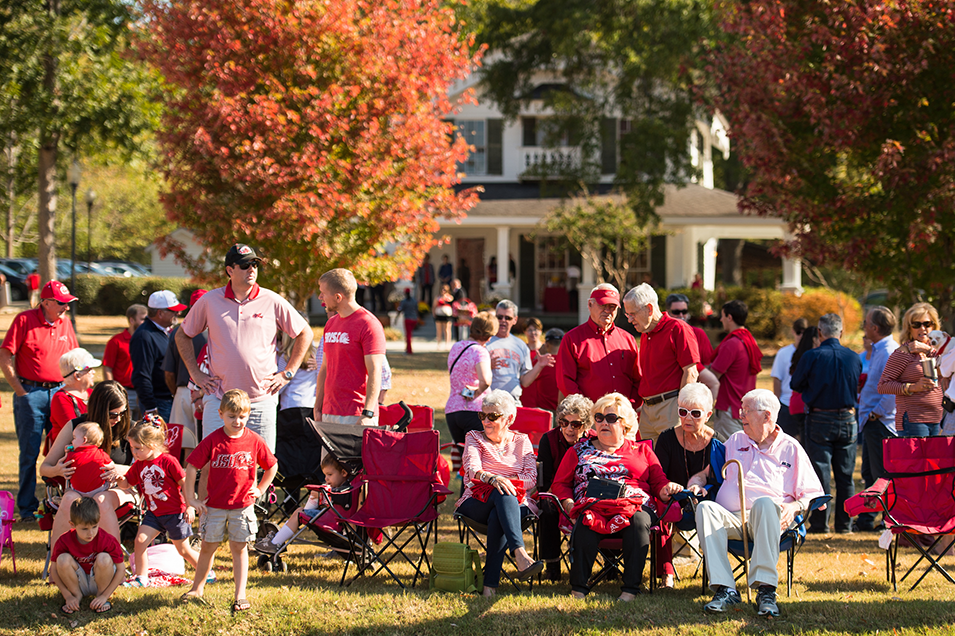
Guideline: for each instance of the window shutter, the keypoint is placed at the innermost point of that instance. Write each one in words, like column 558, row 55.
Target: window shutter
column 608, row 146
column 495, row 146
column 530, row 131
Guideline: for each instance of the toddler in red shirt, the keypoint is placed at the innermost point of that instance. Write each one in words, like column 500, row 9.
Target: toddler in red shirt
column 160, row 478
column 231, row 456
column 89, row 460
column 85, row 561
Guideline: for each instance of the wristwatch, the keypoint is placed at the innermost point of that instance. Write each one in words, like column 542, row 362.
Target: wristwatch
column 367, row 413
column 288, row 375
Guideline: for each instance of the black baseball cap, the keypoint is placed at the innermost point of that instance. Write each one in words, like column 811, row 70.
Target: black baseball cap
column 240, row 254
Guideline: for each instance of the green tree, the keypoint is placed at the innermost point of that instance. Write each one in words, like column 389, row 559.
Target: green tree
column 66, row 82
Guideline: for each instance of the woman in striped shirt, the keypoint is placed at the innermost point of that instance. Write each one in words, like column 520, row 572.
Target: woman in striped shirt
column 918, row 399
column 499, row 469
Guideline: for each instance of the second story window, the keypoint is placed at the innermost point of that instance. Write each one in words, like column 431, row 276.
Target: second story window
column 484, row 137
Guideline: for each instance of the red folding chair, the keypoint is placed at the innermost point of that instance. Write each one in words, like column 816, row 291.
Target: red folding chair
column 174, row 440
column 7, row 503
column 917, row 501
column 422, row 417
column 533, row 423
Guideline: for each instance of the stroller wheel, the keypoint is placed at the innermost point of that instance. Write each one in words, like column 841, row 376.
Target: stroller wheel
column 264, row 563
column 280, row 565
column 269, row 567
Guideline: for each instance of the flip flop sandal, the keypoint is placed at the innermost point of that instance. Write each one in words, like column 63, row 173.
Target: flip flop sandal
column 105, row 607
column 241, row 605
column 193, row 598
column 68, row 611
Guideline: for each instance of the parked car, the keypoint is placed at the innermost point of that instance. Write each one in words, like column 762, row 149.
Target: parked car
column 18, row 283
column 22, row 266
column 122, row 268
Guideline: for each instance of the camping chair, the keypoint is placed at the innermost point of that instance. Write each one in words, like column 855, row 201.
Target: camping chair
column 422, row 417
column 7, row 503
column 401, row 489
column 917, row 501
column 533, row 423
column 469, row 529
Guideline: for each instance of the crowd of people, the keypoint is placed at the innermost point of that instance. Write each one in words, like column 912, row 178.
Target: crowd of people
column 633, row 425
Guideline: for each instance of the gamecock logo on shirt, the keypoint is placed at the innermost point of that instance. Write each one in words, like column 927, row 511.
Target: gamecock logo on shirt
column 235, row 460
column 340, row 337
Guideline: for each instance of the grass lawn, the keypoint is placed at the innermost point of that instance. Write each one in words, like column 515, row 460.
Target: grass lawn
column 840, row 584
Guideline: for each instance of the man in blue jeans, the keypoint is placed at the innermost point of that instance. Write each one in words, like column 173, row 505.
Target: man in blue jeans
column 828, row 377
column 30, row 361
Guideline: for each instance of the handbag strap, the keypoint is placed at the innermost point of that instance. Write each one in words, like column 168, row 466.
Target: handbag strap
column 459, row 356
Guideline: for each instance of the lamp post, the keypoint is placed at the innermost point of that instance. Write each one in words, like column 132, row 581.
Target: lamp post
column 73, row 174
column 90, row 199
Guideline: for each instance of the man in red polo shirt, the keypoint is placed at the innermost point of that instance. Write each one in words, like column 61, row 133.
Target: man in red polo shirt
column 30, row 360
column 116, row 362
column 597, row 358
column 669, row 359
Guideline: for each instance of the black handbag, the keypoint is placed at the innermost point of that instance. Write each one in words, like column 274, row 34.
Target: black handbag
column 948, row 404
column 600, row 488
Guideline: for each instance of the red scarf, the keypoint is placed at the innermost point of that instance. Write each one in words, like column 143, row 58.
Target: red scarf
column 481, row 491
column 606, row 516
column 752, row 349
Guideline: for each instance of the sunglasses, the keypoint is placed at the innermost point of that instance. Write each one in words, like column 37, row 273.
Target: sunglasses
column 248, row 265
column 695, row 413
column 61, row 304
column 564, row 423
column 77, row 372
column 115, row 415
column 928, row 324
column 612, row 418
column 493, row 417
column 505, row 318
column 679, row 312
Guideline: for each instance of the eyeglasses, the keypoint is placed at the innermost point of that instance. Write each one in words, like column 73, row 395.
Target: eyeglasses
column 928, row 324
column 77, row 372
column 115, row 415
column 564, row 423
column 612, row 418
column 493, row 417
column 248, row 265
column 679, row 312
column 505, row 318
column 696, row 413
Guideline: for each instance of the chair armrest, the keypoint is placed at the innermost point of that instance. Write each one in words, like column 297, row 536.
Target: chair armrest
column 441, row 489
column 876, row 490
column 549, row 496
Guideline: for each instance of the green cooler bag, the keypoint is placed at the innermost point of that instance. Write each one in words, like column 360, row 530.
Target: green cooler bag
column 456, row 568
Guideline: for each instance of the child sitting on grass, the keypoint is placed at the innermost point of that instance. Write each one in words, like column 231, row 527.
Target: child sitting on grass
column 160, row 479
column 89, row 460
column 230, row 455
column 85, row 561
column 336, row 476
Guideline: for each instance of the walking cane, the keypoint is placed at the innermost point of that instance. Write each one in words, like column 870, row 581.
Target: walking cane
column 742, row 519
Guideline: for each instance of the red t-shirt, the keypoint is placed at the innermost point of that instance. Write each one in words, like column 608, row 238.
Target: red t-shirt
column 346, row 343
column 542, row 393
column 664, row 353
column 706, row 347
column 595, row 364
column 37, row 345
column 88, row 461
column 117, row 358
column 158, row 480
column 63, row 408
column 232, row 462
column 85, row 553
column 732, row 361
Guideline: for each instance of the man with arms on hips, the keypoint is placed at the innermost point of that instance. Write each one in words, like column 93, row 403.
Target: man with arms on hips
column 828, row 378
column 116, row 362
column 30, row 360
column 147, row 350
column 353, row 351
column 511, row 368
column 876, row 411
column 597, row 358
column 177, row 379
column 738, row 360
column 669, row 359
column 243, row 320
column 782, row 377
column 779, row 482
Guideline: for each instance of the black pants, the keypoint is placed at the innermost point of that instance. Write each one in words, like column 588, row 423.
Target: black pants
column 636, row 546
column 548, row 534
column 460, row 423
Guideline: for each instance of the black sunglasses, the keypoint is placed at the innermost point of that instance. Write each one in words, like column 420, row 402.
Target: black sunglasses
column 564, row 423
column 248, row 265
column 489, row 416
column 679, row 312
column 928, row 324
column 696, row 413
column 505, row 318
column 611, row 418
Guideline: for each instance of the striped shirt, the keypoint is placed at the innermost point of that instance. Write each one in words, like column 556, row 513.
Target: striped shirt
column 902, row 368
column 514, row 459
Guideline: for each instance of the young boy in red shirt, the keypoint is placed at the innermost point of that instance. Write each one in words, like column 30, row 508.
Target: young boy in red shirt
column 230, row 455
column 85, row 561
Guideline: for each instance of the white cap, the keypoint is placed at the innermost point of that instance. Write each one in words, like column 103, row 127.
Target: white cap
column 164, row 299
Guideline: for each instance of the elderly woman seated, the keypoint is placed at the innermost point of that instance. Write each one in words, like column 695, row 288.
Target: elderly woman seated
column 499, row 468
column 573, row 421
column 690, row 455
column 611, row 456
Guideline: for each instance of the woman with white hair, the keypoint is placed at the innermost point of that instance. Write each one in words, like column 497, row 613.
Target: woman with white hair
column 76, row 367
column 611, row 456
column 499, row 469
column 690, row 455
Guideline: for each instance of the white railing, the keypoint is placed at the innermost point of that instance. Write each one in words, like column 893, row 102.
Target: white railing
column 538, row 162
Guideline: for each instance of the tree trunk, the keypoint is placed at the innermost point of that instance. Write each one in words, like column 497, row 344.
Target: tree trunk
column 10, row 155
column 46, row 215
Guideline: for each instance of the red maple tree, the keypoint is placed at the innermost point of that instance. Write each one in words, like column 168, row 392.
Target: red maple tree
column 313, row 131
column 842, row 113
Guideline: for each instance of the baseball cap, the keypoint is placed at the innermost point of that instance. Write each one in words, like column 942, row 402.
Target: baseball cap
column 196, row 295
column 57, row 291
column 164, row 299
column 84, row 361
column 240, row 254
column 606, row 296
column 554, row 335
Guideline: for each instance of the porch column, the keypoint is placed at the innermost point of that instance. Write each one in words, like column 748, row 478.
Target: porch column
column 503, row 284
column 792, row 276
column 588, row 280
column 709, row 264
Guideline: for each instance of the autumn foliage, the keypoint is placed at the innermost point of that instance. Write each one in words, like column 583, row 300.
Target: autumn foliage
column 312, row 130
column 843, row 114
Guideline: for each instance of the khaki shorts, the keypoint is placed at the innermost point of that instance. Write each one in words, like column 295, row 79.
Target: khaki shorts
column 241, row 523
column 87, row 582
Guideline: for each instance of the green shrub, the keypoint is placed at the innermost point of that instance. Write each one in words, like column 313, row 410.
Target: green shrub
column 111, row 295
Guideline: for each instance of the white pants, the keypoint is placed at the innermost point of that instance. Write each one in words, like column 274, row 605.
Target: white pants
column 715, row 525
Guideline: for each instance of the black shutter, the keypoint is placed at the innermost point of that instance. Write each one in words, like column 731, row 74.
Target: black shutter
column 495, row 146
column 530, row 131
column 608, row 146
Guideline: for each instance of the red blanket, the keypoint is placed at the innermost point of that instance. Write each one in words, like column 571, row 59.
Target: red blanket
column 606, row 516
column 752, row 349
column 481, row 491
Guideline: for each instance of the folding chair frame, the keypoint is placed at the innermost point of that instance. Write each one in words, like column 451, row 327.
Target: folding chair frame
column 891, row 559
column 468, row 528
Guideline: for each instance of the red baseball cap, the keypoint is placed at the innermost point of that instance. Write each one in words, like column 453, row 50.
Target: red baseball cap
column 606, row 296
column 57, row 291
column 196, row 295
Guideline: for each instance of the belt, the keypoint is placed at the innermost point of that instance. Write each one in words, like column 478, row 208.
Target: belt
column 845, row 410
column 42, row 385
column 656, row 399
